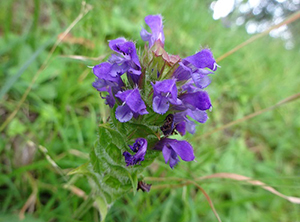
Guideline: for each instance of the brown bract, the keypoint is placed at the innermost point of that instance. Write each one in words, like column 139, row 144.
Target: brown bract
column 158, row 49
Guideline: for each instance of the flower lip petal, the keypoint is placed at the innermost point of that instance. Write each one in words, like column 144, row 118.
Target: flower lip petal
column 172, row 147
column 183, row 149
column 160, row 104
column 164, row 92
column 133, row 100
column 201, row 81
column 198, row 115
column 198, row 100
column 123, row 113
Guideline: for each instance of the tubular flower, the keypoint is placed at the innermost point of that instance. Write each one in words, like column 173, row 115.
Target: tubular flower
column 172, row 148
column 165, row 92
column 133, row 105
column 146, row 87
column 107, row 81
column 195, row 67
column 140, row 148
column 126, row 58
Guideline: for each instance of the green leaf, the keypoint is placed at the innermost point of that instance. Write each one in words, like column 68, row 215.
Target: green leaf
column 103, row 208
column 107, row 166
column 83, row 169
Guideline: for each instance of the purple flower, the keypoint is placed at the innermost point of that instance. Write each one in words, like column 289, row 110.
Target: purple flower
column 172, row 148
column 127, row 50
column 140, row 148
column 194, row 104
column 108, row 73
column 165, row 92
column 107, row 81
column 126, row 58
column 181, row 127
column 156, row 25
column 201, row 60
column 195, row 67
column 133, row 105
column 183, row 124
column 196, row 100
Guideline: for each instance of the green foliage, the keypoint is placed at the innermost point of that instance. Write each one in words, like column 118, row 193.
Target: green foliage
column 106, row 167
column 63, row 112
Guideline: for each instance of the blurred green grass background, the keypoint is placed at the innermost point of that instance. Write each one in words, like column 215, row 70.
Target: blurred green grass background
column 62, row 112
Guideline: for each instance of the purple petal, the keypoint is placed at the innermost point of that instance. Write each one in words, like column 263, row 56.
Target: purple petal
column 166, row 153
column 125, row 48
column 183, row 149
column 166, row 86
column 172, row 147
column 115, row 58
column 102, row 71
column 114, row 44
column 202, row 59
column 133, row 78
column 146, row 36
column 180, row 117
column 118, row 70
column 128, row 49
column 181, row 128
column 138, row 144
column 134, row 71
column 165, row 89
column 173, row 159
column 106, row 71
column 140, row 147
column 200, row 80
column 190, row 126
column 123, row 95
column 198, row 100
column 133, row 100
column 160, row 104
column 189, row 87
column 110, row 99
column 128, row 157
column 101, row 85
column 123, row 113
column 182, row 72
column 156, row 26
column 198, row 115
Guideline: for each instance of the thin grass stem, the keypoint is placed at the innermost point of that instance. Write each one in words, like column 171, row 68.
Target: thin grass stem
column 84, row 10
column 250, row 116
column 289, row 20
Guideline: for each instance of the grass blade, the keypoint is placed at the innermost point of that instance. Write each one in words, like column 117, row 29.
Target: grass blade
column 84, row 10
column 250, row 116
column 289, row 20
column 238, row 177
column 12, row 79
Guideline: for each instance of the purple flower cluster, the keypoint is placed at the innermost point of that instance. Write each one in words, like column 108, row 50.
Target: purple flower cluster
column 179, row 93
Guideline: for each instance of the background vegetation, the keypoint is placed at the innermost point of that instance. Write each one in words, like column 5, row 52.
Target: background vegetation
column 58, row 120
